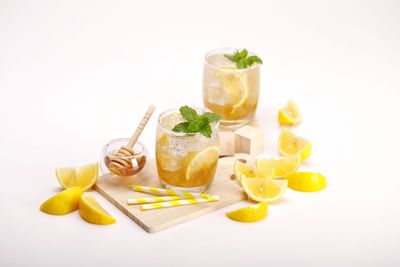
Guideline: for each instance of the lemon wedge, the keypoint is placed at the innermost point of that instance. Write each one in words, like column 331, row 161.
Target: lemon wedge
column 241, row 168
column 63, row 203
column 289, row 115
column 306, row 181
column 289, row 144
column 91, row 211
column 251, row 213
column 84, row 176
column 202, row 162
column 282, row 166
column 263, row 190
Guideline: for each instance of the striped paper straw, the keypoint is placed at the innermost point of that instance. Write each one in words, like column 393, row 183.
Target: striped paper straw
column 168, row 192
column 143, row 200
column 177, row 203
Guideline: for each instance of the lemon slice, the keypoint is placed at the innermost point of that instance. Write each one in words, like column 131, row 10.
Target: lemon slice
column 283, row 165
column 289, row 144
column 236, row 88
column 84, row 176
column 251, row 213
column 63, row 203
column 163, row 140
column 289, row 115
column 306, row 181
column 241, row 168
column 229, row 68
column 92, row 212
column 201, row 162
column 263, row 190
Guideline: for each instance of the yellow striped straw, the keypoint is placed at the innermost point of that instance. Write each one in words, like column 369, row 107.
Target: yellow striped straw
column 143, row 200
column 168, row 192
column 177, row 203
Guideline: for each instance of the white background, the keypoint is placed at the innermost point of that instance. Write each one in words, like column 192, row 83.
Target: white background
column 75, row 74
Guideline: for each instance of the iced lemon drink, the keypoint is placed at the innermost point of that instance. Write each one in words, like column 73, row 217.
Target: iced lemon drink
column 231, row 85
column 187, row 148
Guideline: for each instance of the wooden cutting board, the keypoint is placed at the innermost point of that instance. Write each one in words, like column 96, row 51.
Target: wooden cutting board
column 155, row 220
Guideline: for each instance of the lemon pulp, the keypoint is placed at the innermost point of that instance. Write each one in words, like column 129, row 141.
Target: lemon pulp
column 263, row 190
column 83, row 176
column 289, row 115
column 289, row 144
column 91, row 211
column 283, row 166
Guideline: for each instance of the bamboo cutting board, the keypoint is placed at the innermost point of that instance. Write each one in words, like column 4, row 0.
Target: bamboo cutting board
column 155, row 220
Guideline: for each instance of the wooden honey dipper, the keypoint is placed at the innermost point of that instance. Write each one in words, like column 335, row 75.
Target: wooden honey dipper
column 126, row 151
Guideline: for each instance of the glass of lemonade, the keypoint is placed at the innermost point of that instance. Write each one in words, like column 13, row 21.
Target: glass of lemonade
column 185, row 161
column 230, row 91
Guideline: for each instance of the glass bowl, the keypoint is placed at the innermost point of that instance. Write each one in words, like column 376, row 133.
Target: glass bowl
column 124, row 174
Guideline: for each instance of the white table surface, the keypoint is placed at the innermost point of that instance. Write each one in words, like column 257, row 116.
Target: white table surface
column 75, row 74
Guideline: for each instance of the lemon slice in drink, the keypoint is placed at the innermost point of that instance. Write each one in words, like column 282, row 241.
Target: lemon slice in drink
column 84, row 176
column 251, row 213
column 283, row 165
column 306, row 181
column 91, row 211
column 63, row 203
column 163, row 140
column 202, row 162
column 289, row 115
column 235, row 85
column 263, row 190
column 289, row 144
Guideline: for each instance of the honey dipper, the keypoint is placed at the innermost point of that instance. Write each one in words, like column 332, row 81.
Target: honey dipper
column 126, row 151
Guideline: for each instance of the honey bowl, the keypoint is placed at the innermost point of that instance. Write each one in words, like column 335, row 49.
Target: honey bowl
column 136, row 164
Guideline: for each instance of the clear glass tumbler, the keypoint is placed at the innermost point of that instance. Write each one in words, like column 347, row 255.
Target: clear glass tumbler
column 228, row 91
column 185, row 161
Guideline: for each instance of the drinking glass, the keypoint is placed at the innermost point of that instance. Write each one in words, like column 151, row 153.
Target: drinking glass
column 185, row 161
column 228, row 91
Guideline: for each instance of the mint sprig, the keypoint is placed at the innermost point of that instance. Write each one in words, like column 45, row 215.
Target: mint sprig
column 242, row 60
column 196, row 123
column 188, row 113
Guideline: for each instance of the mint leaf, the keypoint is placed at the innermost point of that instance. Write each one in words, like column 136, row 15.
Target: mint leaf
column 198, row 124
column 253, row 59
column 230, row 57
column 188, row 113
column 241, row 64
column 237, row 55
column 181, row 127
column 242, row 60
column 242, row 54
column 195, row 123
column 212, row 117
column 206, row 131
